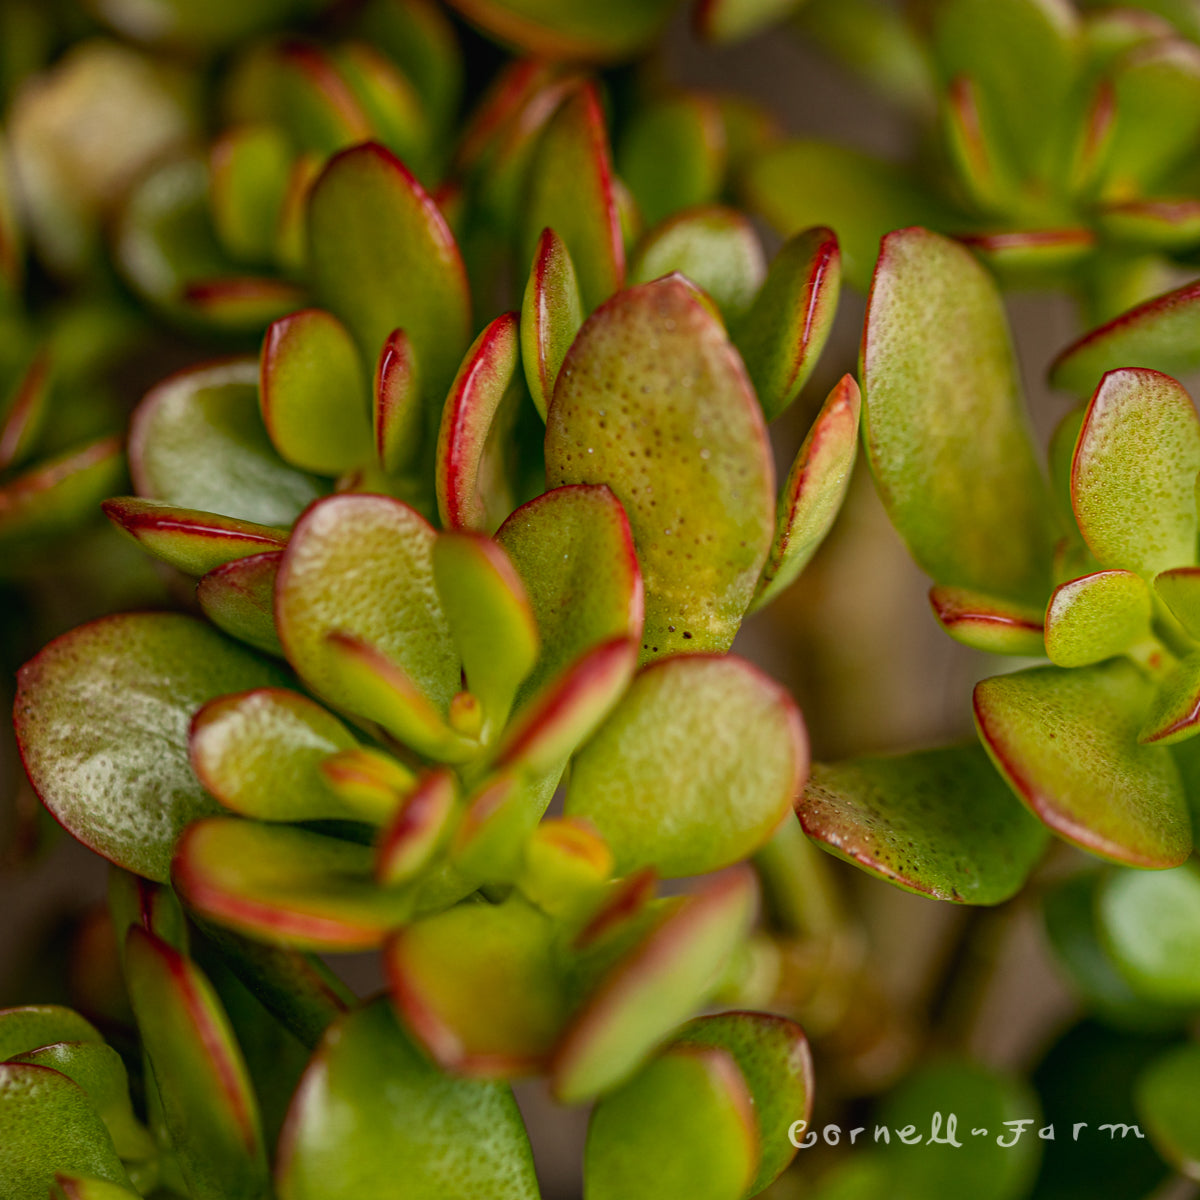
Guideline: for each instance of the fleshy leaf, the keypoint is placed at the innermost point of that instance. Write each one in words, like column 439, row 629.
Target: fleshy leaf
column 943, row 422
column 33, row 1025
column 417, row 828
column 682, row 444
column 487, row 373
column 370, row 1100
column 102, row 718
column 1153, row 224
column 567, row 863
column 239, row 598
column 368, row 779
column 1097, row 616
column 24, row 414
column 668, row 973
column 694, row 769
column 1066, row 741
column 683, row 1128
column 551, row 314
column 716, row 248
column 1168, row 1102
column 313, row 395
column 571, row 192
column 440, row 967
column 1179, row 589
column 88, row 1187
column 783, row 334
column 573, row 550
column 1151, row 925
column 195, row 542
column 383, row 258
column 397, row 415
column 501, row 814
column 197, row 441
column 991, row 623
column 1175, row 711
column 814, row 490
column 1133, row 478
column 938, row 822
column 249, row 167
column 361, row 566
column 208, row 1102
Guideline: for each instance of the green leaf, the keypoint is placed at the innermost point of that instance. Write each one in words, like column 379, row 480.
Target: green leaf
column 573, row 549
column 102, row 718
column 683, row 1128
column 773, row 1057
column 716, row 248
column 1066, row 741
column 551, row 314
column 418, row 827
column 1151, row 924
column 249, row 167
column 813, row 493
column 438, row 969
column 194, row 542
column 312, row 393
column 198, row 442
column 1179, row 589
column 682, row 445
column 1168, row 1102
column 501, row 816
column 1175, row 710
column 571, row 192
column 1096, row 617
column 239, row 598
column 383, row 258
column 1029, row 257
column 983, row 161
column 80, row 1187
column 33, row 1025
column 208, row 1102
column 938, row 822
column 25, row 412
column 397, row 415
column 994, row 624
column 1133, row 479
column 388, row 99
column 944, row 427
column 667, row 974
column 732, row 20
column 694, row 769
column 783, row 334
column 1171, row 225
column 373, row 1117
column 361, row 566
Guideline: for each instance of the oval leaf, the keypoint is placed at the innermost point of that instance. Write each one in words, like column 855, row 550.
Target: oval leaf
column 551, row 314
column 1168, row 1102
column 1097, row 616
column 994, row 624
column 239, row 598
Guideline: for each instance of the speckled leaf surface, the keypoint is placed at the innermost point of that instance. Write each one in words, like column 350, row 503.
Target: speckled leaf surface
column 1133, row 478
column 695, row 767
column 1168, row 1103
column 783, row 334
column 938, row 822
column 943, row 421
column 1096, row 617
column 373, row 1117
column 551, row 314
column 239, row 598
column 1179, row 589
column 362, row 566
column 991, row 623
column 1091, row 782
column 102, row 719
column 653, row 401
column 197, row 441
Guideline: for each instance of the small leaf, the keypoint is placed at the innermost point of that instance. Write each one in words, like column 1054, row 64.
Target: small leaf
column 1066, row 741
column 683, row 1128
column 369, row 780
column 1179, row 589
column 198, row 442
column 33, row 1025
column 417, row 828
column 370, row 1100
column 440, row 967
column 194, row 542
column 1175, row 710
column 938, row 822
column 653, row 401
column 102, row 718
column 1133, row 478
column 571, row 192
column 695, row 768
column 313, row 395
column 1167, row 1104
column 397, row 415
column 783, row 334
column 667, row 975
column 813, row 493
column 24, row 414
column 990, row 623
column 1168, row 224
column 567, row 863
column 501, row 814
column 487, row 373
column 943, row 423
column 208, row 1102
column 1096, row 617
column 1029, row 256
column 985, row 171
column 80, row 1187
column 249, row 167
column 314, row 101
column 239, row 598
column 551, row 314
column 732, row 20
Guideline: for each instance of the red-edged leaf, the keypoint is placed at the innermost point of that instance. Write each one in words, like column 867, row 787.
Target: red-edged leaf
column 551, row 314
column 419, row 824
column 239, row 598
column 992, row 623
column 25, row 414
column 398, row 417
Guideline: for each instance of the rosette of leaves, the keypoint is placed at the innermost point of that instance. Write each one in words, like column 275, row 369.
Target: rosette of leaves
column 1093, row 574
column 1064, row 156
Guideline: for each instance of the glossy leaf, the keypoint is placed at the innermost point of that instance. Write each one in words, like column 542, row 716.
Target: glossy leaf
column 1174, row 713
column 783, row 334
column 313, row 395
column 102, row 718
column 994, row 624
column 239, row 598
column 682, row 445
column 1091, row 783
column 417, row 828
column 694, row 769
column 551, row 314
column 397, row 415
column 197, row 441
column 938, row 822
column 1133, row 479
column 370, row 1100
column 943, row 423
column 32, row 1025
column 1097, row 616
column 1167, row 1100
column 1179, row 589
